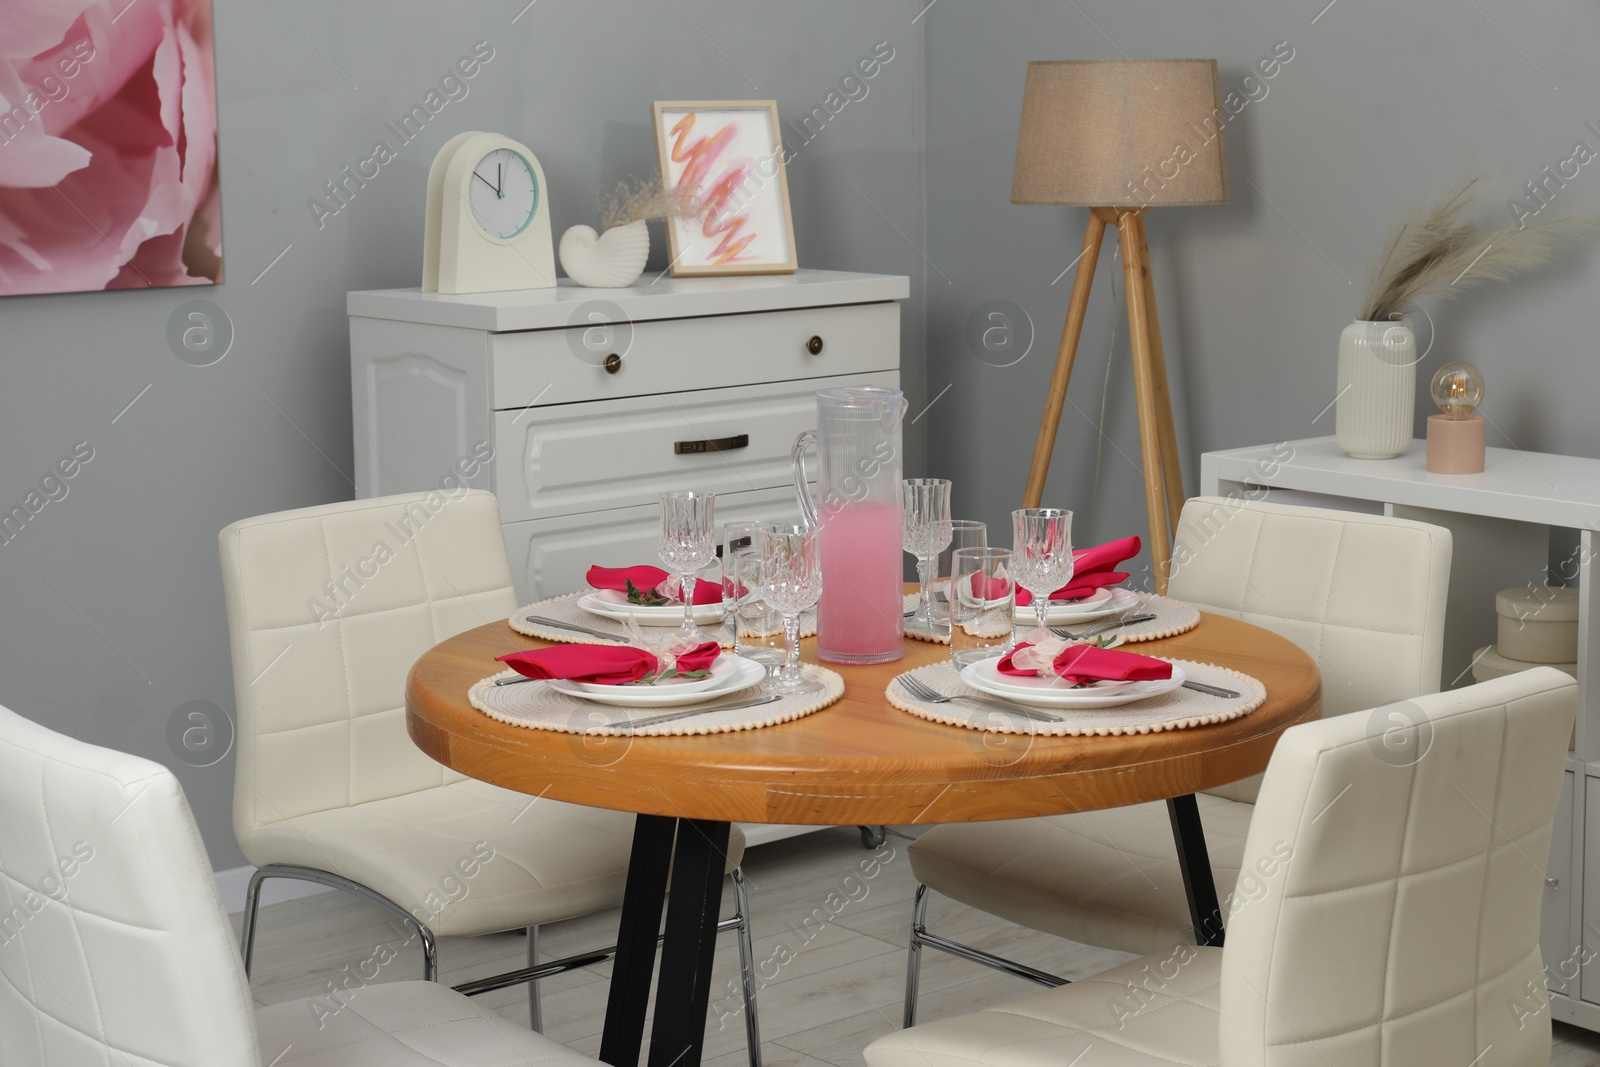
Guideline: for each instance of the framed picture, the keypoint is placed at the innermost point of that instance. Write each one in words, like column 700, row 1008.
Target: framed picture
column 108, row 147
column 728, row 156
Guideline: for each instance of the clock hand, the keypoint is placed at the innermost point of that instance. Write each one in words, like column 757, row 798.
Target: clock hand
column 485, row 181
column 500, row 180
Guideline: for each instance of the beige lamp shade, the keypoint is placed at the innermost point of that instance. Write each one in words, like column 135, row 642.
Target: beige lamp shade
column 1121, row 133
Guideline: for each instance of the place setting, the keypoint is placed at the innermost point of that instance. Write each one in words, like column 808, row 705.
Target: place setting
column 650, row 681
column 1023, row 659
column 721, row 602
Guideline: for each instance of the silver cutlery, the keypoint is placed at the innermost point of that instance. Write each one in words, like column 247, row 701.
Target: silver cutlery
column 1100, row 627
column 1213, row 690
column 925, row 693
column 544, row 620
column 670, row 716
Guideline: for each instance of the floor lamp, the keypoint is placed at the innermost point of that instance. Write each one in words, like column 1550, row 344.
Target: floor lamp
column 1119, row 137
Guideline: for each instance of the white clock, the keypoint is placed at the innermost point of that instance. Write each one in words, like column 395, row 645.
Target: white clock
column 488, row 218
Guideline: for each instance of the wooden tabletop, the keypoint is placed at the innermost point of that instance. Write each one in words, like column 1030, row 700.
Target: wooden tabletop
column 861, row 761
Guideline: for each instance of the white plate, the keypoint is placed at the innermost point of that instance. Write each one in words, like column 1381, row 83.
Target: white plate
column 1102, row 603
column 743, row 674
column 981, row 676
column 721, row 669
column 613, row 604
column 1028, row 684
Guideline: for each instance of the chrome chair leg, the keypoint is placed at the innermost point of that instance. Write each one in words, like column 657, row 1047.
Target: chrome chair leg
column 430, row 948
column 535, row 1013
column 919, row 911
column 747, row 966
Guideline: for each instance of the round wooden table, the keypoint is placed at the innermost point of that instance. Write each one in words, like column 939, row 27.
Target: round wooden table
column 858, row 762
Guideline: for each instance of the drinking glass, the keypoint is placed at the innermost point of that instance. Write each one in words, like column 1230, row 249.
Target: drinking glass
column 757, row 628
column 736, row 535
column 982, row 599
column 791, row 581
column 925, row 506
column 688, row 541
column 1041, row 554
column 964, row 533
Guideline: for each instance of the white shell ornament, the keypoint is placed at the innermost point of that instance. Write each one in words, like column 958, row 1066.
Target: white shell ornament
column 611, row 260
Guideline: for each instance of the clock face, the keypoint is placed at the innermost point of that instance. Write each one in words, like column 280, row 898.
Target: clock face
column 504, row 193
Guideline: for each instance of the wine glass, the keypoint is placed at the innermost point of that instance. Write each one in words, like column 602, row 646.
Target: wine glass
column 791, row 581
column 926, row 508
column 1041, row 554
column 688, row 542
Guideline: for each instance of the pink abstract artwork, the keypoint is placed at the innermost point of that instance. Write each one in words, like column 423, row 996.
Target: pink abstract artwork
column 108, row 146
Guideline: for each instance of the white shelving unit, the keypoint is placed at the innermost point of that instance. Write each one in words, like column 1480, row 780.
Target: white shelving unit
column 1500, row 521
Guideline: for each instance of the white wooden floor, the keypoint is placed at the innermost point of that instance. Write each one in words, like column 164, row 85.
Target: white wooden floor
column 830, row 946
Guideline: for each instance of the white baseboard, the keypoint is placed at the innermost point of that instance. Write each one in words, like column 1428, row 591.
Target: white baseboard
column 234, row 883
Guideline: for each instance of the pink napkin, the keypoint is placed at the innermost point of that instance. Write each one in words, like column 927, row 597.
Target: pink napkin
column 603, row 664
column 1091, row 570
column 649, row 579
column 1081, row 664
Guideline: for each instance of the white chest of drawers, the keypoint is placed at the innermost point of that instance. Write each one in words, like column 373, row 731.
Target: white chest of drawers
column 576, row 407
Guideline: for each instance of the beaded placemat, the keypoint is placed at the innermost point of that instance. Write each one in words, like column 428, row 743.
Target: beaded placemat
column 1176, row 710
column 1172, row 617
column 565, row 608
column 539, row 707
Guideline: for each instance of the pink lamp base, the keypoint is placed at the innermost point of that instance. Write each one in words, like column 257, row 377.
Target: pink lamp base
column 1455, row 446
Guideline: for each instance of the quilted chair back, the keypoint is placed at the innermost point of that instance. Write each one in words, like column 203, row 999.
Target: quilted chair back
column 1364, row 595
column 328, row 608
column 1403, row 928
column 114, row 947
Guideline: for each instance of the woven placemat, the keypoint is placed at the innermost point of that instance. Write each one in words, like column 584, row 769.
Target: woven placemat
column 537, row 706
column 565, row 608
column 1172, row 617
column 1176, row 710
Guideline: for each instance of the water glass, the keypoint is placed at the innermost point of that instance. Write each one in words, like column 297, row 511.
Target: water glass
column 1041, row 549
column 964, row 533
column 741, row 533
column 791, row 581
column 757, row 627
column 982, row 599
column 925, row 507
column 688, row 541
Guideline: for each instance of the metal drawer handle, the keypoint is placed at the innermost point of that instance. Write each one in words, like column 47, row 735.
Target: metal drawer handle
column 814, row 346
column 715, row 444
column 613, row 363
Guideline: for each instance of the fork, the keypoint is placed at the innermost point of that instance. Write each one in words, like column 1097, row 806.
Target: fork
column 1100, row 627
column 925, row 693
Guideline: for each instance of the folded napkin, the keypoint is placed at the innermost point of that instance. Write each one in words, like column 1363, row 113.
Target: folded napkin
column 1091, row 570
column 650, row 579
column 606, row 664
column 1082, row 664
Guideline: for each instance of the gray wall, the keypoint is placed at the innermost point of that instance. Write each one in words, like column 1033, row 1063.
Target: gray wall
column 1381, row 108
column 113, row 613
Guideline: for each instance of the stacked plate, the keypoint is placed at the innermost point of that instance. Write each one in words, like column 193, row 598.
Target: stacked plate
column 613, row 604
column 729, row 674
column 1097, row 605
column 985, row 676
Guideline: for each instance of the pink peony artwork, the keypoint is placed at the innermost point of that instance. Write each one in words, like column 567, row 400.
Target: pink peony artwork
column 108, row 146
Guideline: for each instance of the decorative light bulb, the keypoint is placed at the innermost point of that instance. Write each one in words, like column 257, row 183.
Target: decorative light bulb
column 1457, row 389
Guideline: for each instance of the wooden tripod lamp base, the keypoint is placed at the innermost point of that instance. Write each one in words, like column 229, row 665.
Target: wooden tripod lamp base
column 1158, row 443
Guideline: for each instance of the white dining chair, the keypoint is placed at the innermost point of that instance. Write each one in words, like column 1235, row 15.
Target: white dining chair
column 328, row 607
column 1364, row 595
column 114, row 948
column 1392, row 918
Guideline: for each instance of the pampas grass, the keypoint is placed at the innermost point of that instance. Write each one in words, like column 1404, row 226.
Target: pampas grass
column 638, row 199
column 1443, row 252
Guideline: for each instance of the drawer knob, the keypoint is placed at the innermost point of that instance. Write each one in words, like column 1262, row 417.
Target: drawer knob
column 613, row 363
column 814, row 346
column 1552, row 882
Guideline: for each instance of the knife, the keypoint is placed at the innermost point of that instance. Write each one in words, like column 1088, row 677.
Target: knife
column 670, row 716
column 546, row 621
column 1213, row 690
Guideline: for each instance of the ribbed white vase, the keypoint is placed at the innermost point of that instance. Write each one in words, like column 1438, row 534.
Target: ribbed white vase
column 1377, row 389
column 611, row 260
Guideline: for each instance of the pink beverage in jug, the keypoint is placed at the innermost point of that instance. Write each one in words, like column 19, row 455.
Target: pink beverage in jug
column 859, row 618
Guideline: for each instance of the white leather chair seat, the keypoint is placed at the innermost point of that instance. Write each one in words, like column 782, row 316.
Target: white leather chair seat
column 1159, row 1011
column 550, row 860
column 1107, row 878
column 402, row 1024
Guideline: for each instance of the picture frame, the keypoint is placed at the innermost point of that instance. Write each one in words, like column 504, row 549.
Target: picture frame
column 730, row 152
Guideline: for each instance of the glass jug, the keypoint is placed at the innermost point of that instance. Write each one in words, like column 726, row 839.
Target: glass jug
column 859, row 619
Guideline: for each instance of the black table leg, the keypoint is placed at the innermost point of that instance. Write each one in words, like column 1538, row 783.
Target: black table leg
column 684, row 992
column 636, row 940
column 1195, row 863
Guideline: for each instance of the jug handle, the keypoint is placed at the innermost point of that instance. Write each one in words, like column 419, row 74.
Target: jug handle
column 797, row 458
column 891, row 419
